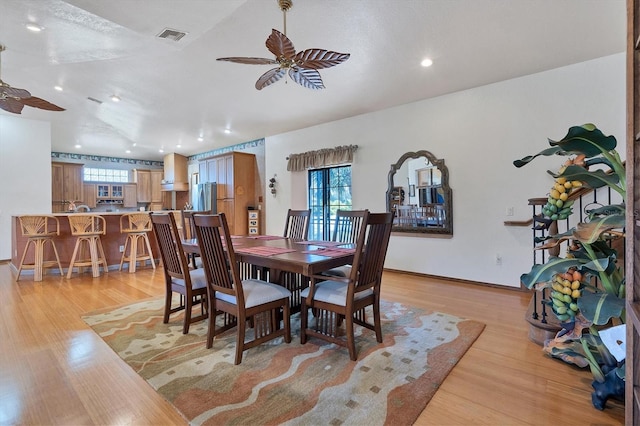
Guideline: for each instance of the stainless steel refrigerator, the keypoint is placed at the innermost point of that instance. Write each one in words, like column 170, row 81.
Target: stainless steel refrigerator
column 205, row 196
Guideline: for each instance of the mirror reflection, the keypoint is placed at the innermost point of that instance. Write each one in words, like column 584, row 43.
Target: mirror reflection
column 419, row 194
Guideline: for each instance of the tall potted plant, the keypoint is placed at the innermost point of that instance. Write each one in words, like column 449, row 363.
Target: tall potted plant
column 586, row 287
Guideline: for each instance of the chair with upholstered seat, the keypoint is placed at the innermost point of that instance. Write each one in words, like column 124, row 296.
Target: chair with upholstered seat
column 346, row 230
column 250, row 299
column 190, row 284
column 88, row 228
column 136, row 226
column 346, row 298
column 297, row 224
column 189, row 230
column 39, row 230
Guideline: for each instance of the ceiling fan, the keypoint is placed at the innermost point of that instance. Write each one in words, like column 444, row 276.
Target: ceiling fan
column 302, row 66
column 13, row 99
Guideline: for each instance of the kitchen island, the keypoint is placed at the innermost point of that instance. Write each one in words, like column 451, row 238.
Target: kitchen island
column 65, row 242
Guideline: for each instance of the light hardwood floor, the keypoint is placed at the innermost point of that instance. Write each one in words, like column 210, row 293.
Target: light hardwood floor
column 55, row 370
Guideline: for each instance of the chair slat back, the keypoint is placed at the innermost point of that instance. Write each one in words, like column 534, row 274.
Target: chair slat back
column 218, row 256
column 135, row 222
column 297, row 225
column 188, row 227
column 348, row 225
column 39, row 226
column 371, row 262
column 87, row 224
column 173, row 257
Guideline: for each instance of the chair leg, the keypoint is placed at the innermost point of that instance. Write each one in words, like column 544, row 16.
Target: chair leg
column 351, row 343
column 55, row 251
column 148, row 244
column 105, row 266
column 187, row 314
column 24, row 254
column 242, row 326
column 124, row 253
column 287, row 322
column 376, row 320
column 73, row 258
column 303, row 321
column 93, row 253
column 167, row 306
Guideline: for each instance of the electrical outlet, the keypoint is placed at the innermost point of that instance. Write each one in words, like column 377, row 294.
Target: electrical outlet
column 509, row 211
column 498, row 259
column 121, row 249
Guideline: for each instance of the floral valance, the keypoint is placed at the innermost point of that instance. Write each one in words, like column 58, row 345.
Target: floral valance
column 321, row 158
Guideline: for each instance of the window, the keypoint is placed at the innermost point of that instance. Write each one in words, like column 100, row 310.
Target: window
column 105, row 175
column 329, row 191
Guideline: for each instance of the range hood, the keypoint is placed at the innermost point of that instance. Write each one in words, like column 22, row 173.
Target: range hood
column 175, row 173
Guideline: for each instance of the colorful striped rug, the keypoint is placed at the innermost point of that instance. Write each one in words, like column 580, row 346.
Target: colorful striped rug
column 279, row 383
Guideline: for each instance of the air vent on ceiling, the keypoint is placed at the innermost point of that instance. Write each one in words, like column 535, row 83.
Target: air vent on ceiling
column 94, row 100
column 170, row 34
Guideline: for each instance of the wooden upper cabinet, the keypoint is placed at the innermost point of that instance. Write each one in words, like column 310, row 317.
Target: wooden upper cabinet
column 129, row 192
column 156, row 185
column 142, row 178
column 66, row 185
column 90, row 195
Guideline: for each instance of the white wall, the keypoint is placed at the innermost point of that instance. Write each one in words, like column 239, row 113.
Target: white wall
column 25, row 172
column 479, row 132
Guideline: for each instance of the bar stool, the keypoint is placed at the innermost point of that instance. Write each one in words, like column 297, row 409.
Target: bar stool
column 136, row 226
column 88, row 228
column 39, row 230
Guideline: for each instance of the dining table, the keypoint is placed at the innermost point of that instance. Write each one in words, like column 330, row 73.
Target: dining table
column 281, row 258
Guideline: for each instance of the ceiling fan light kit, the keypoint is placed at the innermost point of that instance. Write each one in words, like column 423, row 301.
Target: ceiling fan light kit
column 302, row 67
column 13, row 99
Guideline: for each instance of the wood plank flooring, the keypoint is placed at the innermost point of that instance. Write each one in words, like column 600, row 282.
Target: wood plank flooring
column 55, row 370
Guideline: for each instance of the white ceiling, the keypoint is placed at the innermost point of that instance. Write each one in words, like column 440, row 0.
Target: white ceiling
column 173, row 92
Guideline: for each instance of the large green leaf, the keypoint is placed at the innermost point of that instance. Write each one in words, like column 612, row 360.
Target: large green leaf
column 570, row 352
column 612, row 209
column 595, row 179
column 547, row 153
column 599, row 308
column 590, row 232
column 586, row 139
column 546, row 271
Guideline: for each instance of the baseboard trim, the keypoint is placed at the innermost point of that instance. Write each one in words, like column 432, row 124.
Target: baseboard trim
column 458, row 280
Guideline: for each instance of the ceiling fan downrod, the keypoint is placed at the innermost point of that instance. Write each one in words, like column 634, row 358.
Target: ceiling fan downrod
column 285, row 5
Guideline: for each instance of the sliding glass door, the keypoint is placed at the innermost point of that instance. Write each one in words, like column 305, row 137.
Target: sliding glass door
column 329, row 191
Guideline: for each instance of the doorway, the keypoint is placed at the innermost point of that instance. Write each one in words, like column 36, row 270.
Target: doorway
column 329, row 191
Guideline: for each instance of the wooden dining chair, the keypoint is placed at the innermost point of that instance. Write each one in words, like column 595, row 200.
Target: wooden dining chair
column 297, row 224
column 189, row 230
column 347, row 298
column 260, row 301
column 346, row 230
column 190, row 284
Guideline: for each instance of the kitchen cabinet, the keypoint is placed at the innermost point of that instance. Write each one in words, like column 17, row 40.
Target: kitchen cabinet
column 106, row 191
column 142, row 178
column 90, row 193
column 234, row 174
column 129, row 193
column 156, row 189
column 66, row 185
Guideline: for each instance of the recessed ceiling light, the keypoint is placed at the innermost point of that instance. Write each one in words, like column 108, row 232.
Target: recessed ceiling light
column 200, row 139
column 161, row 150
column 58, row 88
column 78, row 146
column 128, row 151
column 134, row 144
column 426, row 62
column 227, row 131
column 178, row 146
column 34, row 27
column 115, row 98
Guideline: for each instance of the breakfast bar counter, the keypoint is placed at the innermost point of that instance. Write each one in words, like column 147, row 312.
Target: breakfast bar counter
column 65, row 242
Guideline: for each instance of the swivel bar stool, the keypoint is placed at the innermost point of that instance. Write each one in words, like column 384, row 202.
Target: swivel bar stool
column 39, row 231
column 88, row 228
column 136, row 226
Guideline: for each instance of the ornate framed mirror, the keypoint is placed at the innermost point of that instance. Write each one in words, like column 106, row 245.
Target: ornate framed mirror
column 418, row 192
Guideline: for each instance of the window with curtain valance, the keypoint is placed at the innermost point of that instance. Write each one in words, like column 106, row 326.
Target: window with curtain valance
column 321, row 158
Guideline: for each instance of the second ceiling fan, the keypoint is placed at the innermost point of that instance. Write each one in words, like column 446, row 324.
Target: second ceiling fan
column 302, row 66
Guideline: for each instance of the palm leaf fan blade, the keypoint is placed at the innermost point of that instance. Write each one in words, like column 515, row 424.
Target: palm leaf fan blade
column 306, row 78
column 280, row 45
column 11, row 105
column 249, row 60
column 41, row 103
column 13, row 91
column 319, row 58
column 269, row 77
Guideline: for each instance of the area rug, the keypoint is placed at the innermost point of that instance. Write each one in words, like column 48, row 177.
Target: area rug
column 279, row 383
